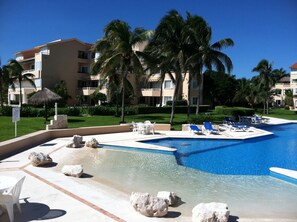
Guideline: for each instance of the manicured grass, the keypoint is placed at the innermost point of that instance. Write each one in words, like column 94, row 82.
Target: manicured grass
column 282, row 113
column 28, row 125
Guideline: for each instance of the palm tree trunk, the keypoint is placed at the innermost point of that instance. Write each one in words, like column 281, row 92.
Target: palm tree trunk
column 189, row 97
column 123, row 103
column 20, row 99
column 161, row 94
column 176, row 89
column 201, row 88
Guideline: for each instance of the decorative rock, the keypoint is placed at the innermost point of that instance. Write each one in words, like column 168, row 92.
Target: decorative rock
column 39, row 159
column 72, row 170
column 92, row 143
column 171, row 197
column 210, row 212
column 75, row 141
column 149, row 205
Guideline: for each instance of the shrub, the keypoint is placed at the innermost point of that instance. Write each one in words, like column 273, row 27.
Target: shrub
column 234, row 111
column 6, row 111
column 177, row 103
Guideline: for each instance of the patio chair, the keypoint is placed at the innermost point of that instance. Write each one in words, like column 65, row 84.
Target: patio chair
column 11, row 197
column 134, row 127
column 208, row 127
column 195, row 129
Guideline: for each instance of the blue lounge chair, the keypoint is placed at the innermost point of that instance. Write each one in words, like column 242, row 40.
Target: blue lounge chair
column 209, row 128
column 195, row 129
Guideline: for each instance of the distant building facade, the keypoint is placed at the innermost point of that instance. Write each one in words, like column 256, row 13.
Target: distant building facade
column 284, row 84
column 61, row 60
column 70, row 61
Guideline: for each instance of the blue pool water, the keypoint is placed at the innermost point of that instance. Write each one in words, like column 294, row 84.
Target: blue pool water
column 238, row 157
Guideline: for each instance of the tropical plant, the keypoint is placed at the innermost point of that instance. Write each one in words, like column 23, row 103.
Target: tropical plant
column 265, row 82
column 4, row 83
column 118, row 55
column 203, row 54
column 61, row 89
column 15, row 70
column 168, row 46
column 98, row 96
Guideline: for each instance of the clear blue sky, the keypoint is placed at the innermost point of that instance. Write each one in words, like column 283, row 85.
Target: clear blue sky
column 260, row 28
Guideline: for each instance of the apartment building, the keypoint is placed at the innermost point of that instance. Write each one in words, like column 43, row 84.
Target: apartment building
column 284, row 84
column 61, row 60
column 69, row 60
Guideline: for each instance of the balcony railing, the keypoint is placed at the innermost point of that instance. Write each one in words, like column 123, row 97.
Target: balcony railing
column 150, row 92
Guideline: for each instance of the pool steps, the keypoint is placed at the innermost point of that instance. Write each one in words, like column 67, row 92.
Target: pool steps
column 284, row 174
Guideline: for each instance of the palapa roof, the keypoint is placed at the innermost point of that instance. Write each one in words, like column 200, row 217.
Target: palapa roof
column 43, row 96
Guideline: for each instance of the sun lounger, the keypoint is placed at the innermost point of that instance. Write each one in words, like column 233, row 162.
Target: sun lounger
column 208, row 127
column 195, row 129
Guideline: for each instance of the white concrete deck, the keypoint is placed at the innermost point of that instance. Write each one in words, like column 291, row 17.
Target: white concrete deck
column 49, row 195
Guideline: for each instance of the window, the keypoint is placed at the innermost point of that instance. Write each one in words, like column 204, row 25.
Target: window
column 83, row 69
column 168, row 84
column 83, row 55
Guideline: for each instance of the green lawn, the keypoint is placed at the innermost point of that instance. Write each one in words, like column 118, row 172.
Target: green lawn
column 28, row 124
column 282, row 113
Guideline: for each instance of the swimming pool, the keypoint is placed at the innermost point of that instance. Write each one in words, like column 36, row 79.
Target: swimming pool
column 237, row 157
column 128, row 170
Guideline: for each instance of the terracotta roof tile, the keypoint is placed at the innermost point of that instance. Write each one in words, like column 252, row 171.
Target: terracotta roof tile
column 294, row 66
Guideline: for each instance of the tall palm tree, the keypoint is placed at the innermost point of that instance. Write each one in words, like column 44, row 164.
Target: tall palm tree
column 169, row 47
column 203, row 54
column 17, row 76
column 118, row 54
column 266, row 82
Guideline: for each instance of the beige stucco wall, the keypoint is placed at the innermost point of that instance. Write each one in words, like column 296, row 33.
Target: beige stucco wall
column 30, row 140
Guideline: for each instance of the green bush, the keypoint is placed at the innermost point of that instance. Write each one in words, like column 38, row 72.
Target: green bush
column 234, row 111
column 177, row 103
column 6, row 111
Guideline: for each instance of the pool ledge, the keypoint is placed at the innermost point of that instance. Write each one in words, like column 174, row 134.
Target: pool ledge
column 284, row 174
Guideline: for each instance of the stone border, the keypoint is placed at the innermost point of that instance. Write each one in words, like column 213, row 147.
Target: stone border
column 22, row 143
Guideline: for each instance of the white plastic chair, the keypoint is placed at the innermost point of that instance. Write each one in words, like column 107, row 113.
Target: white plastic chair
column 135, row 128
column 11, row 197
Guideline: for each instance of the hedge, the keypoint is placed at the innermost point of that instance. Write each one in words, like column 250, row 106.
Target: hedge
column 30, row 111
column 234, row 111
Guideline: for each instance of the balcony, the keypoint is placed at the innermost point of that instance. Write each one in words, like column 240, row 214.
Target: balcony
column 151, row 92
column 86, row 91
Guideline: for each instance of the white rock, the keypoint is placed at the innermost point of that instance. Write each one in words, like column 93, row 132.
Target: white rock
column 210, row 212
column 39, row 159
column 72, row 170
column 149, row 205
column 92, row 143
column 75, row 141
column 171, row 197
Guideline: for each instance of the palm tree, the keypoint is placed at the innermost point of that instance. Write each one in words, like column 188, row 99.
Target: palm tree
column 118, row 55
column 169, row 47
column 266, row 82
column 203, row 54
column 17, row 76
